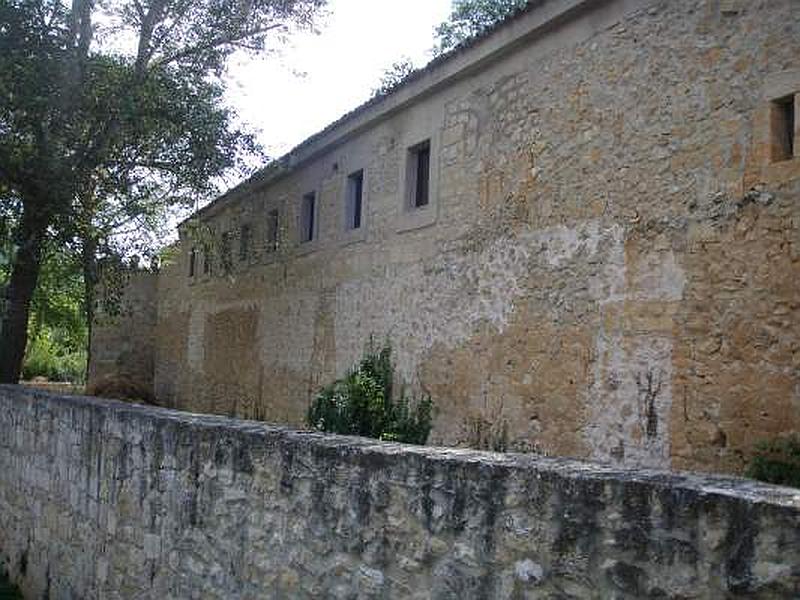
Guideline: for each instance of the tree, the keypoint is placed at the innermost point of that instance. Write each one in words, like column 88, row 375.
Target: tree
column 110, row 113
column 470, row 18
column 393, row 76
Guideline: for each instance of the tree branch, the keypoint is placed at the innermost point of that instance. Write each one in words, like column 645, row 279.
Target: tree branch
column 216, row 43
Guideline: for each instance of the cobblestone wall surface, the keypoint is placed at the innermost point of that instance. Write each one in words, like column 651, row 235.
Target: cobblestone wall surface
column 100, row 499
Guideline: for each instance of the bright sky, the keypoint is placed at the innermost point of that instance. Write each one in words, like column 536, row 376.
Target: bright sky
column 359, row 39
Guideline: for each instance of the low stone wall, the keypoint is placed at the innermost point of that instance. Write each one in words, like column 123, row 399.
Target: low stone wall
column 100, row 499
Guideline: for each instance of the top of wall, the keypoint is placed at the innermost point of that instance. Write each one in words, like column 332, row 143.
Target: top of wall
column 535, row 19
column 267, row 435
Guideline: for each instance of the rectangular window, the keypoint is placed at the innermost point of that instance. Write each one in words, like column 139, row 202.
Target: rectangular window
column 244, row 242
column 206, row 259
column 308, row 217
column 419, row 174
column 354, row 201
column 225, row 251
column 192, row 261
column 272, row 230
column 783, row 128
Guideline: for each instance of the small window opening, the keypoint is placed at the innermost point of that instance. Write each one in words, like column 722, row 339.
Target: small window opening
column 419, row 174
column 272, row 230
column 355, row 194
column 244, row 242
column 225, row 251
column 206, row 260
column 307, row 217
column 783, row 128
column 192, row 261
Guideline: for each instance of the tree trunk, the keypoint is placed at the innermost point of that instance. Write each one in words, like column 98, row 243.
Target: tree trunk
column 89, row 260
column 24, row 276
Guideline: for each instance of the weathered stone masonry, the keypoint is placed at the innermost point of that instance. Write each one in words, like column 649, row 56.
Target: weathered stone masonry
column 608, row 262
column 101, row 499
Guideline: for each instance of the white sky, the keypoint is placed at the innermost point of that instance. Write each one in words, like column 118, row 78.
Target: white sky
column 358, row 40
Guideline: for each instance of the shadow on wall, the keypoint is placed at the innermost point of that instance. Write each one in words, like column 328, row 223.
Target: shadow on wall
column 120, row 387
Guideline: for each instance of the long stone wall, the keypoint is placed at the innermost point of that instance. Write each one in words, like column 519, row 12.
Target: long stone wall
column 100, row 499
column 607, row 269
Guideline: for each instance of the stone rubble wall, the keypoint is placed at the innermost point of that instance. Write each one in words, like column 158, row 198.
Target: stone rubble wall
column 101, row 499
column 607, row 270
column 123, row 344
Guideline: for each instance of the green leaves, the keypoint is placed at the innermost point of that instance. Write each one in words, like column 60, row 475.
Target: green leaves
column 777, row 461
column 470, row 18
column 393, row 76
column 362, row 403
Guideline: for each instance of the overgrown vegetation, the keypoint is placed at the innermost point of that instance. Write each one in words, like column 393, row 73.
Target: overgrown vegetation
column 112, row 118
column 777, row 461
column 363, row 403
column 471, row 18
column 57, row 330
column 468, row 19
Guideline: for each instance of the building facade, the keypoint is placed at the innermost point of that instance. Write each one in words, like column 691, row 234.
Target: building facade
column 582, row 229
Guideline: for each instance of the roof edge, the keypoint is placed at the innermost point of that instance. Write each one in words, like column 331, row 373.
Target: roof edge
column 497, row 41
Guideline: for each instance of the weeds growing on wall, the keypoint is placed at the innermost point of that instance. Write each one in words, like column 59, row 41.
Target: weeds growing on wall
column 777, row 461
column 362, row 403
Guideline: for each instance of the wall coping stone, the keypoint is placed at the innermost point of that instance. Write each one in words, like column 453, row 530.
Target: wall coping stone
column 702, row 484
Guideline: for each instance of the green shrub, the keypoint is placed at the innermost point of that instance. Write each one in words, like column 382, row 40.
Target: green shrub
column 46, row 357
column 777, row 461
column 362, row 403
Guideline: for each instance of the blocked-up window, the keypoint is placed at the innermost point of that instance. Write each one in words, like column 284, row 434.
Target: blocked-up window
column 419, row 174
column 244, row 242
column 272, row 225
column 308, row 216
column 783, row 124
column 192, row 261
column 354, row 199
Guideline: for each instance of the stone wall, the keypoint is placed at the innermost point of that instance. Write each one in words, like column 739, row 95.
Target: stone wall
column 607, row 268
column 100, row 499
column 124, row 343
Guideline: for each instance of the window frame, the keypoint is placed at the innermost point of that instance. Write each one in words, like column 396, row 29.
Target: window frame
column 308, row 232
column 271, row 243
column 193, row 262
column 414, row 155
column 226, row 251
column 784, row 137
column 413, row 215
column 354, row 186
column 245, row 242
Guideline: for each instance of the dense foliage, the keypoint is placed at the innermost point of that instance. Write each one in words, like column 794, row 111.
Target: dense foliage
column 777, row 461
column 362, row 403
column 57, row 331
column 470, row 18
column 111, row 115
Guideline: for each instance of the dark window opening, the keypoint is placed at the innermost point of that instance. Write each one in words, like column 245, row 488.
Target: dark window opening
column 307, row 217
column 244, row 242
column 206, row 260
column 783, row 128
column 272, row 230
column 192, row 261
column 225, row 252
column 355, row 195
column 420, row 174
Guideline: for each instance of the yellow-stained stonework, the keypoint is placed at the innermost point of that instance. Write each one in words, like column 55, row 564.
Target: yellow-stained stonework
column 608, row 265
